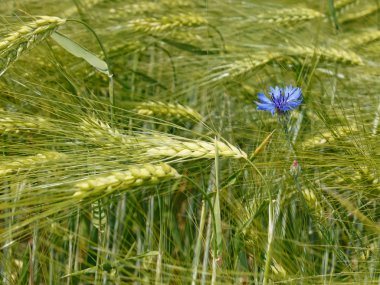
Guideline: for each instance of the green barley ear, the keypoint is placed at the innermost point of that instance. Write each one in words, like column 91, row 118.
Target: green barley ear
column 327, row 54
column 288, row 16
column 328, row 137
column 98, row 215
column 27, row 36
column 167, row 111
column 364, row 11
column 342, row 5
column 155, row 144
column 175, row 148
column 361, row 39
column 11, row 122
column 12, row 166
column 134, row 175
column 166, row 23
column 230, row 71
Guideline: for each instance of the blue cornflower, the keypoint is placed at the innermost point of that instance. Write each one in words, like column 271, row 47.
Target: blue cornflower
column 281, row 100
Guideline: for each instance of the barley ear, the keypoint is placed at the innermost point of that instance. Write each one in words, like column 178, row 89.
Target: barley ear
column 134, row 175
column 27, row 36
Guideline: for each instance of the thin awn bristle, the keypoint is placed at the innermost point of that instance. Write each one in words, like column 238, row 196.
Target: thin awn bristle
column 17, row 42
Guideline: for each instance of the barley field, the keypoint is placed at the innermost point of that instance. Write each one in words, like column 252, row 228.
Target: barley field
column 189, row 142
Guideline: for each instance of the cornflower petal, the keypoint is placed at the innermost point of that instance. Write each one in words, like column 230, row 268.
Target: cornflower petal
column 264, row 98
column 294, row 104
column 275, row 93
column 292, row 93
column 265, row 107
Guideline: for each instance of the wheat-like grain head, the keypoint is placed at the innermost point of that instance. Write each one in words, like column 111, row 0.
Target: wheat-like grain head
column 134, row 175
column 363, row 12
column 326, row 137
column 166, row 23
column 289, row 15
column 167, row 110
column 361, row 39
column 17, row 42
column 15, row 123
column 28, row 162
column 329, row 54
column 155, row 144
column 169, row 147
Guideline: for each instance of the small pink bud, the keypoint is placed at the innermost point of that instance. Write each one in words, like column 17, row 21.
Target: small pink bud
column 295, row 168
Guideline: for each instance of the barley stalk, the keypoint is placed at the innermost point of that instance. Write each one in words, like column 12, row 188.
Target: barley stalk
column 167, row 110
column 27, row 162
column 166, row 23
column 134, row 175
column 16, row 43
column 289, row 15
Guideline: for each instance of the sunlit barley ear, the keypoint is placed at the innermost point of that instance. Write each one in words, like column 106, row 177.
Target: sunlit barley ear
column 170, row 147
column 325, row 54
column 166, row 23
column 20, row 123
column 322, row 139
column 167, row 111
column 342, row 5
column 19, row 41
column 288, row 16
column 134, row 175
column 29, row 162
column 362, row 39
column 364, row 11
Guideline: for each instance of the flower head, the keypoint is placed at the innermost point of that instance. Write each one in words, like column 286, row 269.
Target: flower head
column 281, row 100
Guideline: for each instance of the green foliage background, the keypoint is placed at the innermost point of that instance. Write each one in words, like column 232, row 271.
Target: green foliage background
column 179, row 91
